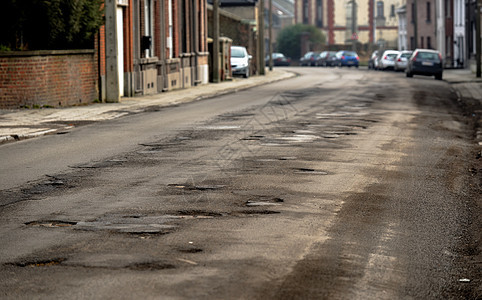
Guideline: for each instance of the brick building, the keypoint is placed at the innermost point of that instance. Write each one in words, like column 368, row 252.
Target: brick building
column 423, row 16
column 160, row 46
column 146, row 47
column 373, row 21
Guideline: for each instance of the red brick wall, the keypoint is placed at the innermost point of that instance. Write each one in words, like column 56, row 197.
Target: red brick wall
column 48, row 78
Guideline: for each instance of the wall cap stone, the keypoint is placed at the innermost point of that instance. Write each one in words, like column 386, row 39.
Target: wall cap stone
column 46, row 53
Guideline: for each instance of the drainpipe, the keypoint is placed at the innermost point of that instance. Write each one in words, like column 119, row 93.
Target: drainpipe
column 216, row 74
column 478, row 39
column 261, row 39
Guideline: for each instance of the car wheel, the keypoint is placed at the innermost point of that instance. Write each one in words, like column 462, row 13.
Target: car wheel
column 438, row 76
column 246, row 75
column 409, row 74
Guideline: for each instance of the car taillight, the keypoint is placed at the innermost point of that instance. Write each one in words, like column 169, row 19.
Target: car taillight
column 415, row 57
column 399, row 59
column 386, row 57
column 440, row 56
column 343, row 57
column 357, row 58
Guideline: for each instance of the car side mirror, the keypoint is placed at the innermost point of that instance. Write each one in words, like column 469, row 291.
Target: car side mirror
column 250, row 56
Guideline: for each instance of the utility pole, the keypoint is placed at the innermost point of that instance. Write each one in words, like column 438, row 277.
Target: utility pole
column 415, row 24
column 478, row 39
column 374, row 24
column 216, row 75
column 111, row 56
column 353, row 24
column 261, row 38
column 270, row 35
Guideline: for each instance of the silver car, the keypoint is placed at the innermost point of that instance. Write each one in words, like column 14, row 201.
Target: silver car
column 401, row 60
column 387, row 60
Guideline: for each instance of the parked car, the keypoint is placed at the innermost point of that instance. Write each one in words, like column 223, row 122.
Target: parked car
column 373, row 61
column 387, row 60
column 347, row 59
column 326, row 58
column 309, row 59
column 279, row 59
column 240, row 61
column 425, row 62
column 402, row 59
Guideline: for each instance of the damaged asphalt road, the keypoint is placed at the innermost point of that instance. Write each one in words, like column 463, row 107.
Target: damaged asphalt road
column 336, row 184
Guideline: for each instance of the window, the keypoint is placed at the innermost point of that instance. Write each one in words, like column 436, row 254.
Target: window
column 392, row 11
column 319, row 13
column 421, row 42
column 380, row 13
column 429, row 42
column 412, row 43
column 305, row 11
column 429, row 12
column 380, row 17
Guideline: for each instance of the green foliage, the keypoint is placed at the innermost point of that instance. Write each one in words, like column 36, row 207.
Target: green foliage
column 50, row 24
column 289, row 39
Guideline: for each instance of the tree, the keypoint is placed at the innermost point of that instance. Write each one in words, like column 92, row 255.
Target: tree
column 49, row 24
column 289, row 39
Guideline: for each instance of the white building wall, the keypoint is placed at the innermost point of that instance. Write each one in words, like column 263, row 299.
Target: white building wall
column 459, row 33
column 440, row 15
column 402, row 29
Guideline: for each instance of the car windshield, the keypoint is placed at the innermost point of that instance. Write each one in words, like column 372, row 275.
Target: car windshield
column 427, row 55
column 350, row 53
column 392, row 55
column 406, row 55
column 237, row 52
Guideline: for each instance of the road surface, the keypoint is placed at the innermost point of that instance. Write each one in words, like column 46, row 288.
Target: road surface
column 336, row 184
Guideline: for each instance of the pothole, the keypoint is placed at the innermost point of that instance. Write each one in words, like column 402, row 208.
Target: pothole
column 310, row 171
column 190, row 187
column 257, row 212
column 51, row 223
column 39, row 263
column 220, row 127
column 99, row 165
column 265, row 201
column 199, row 214
column 190, row 250
column 253, row 138
column 261, row 203
column 288, row 158
column 151, row 266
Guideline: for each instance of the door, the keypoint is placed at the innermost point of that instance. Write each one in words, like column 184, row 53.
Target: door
column 120, row 49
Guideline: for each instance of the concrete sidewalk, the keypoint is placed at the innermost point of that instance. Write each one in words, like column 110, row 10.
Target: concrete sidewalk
column 19, row 124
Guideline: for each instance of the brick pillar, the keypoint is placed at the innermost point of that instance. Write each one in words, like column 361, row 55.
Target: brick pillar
column 331, row 22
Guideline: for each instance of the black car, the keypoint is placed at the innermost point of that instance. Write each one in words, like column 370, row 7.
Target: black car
column 326, row 58
column 279, row 59
column 425, row 62
column 309, row 59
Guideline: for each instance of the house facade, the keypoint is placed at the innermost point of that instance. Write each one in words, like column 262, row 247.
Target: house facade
column 151, row 46
column 372, row 21
column 445, row 25
column 421, row 21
